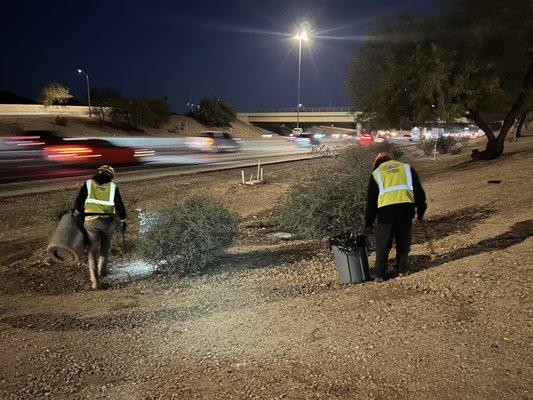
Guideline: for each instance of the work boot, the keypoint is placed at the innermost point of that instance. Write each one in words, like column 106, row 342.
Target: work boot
column 378, row 279
column 95, row 285
column 404, row 273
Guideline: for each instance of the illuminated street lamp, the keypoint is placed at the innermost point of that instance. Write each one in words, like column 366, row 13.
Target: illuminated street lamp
column 301, row 36
column 80, row 71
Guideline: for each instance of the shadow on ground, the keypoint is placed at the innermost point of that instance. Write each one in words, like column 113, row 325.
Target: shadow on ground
column 516, row 234
column 459, row 221
column 265, row 258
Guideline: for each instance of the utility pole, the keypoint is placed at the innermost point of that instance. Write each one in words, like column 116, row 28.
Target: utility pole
column 80, row 71
column 299, row 81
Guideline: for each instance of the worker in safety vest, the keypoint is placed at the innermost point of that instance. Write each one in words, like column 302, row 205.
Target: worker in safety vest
column 99, row 202
column 394, row 192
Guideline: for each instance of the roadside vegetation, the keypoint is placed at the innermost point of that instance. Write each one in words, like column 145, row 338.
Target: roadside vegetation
column 214, row 112
column 54, row 93
column 188, row 236
column 331, row 199
column 61, row 121
column 443, row 145
column 110, row 107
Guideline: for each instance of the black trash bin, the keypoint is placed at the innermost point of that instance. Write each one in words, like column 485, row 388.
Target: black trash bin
column 351, row 258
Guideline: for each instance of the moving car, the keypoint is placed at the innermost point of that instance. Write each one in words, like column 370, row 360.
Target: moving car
column 90, row 151
column 213, row 141
column 304, row 139
column 29, row 140
column 365, row 139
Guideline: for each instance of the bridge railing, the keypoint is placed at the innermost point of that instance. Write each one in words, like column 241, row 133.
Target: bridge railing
column 302, row 110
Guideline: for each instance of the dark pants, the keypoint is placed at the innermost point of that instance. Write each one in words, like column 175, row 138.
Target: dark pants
column 385, row 232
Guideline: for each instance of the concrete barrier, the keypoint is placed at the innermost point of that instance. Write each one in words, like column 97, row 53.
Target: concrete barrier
column 39, row 109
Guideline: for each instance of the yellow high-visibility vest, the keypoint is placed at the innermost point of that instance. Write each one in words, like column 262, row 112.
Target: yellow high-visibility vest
column 395, row 183
column 100, row 198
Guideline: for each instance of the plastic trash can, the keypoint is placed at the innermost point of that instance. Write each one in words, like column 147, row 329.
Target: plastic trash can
column 352, row 267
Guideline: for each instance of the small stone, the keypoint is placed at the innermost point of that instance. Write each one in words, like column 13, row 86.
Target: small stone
column 279, row 236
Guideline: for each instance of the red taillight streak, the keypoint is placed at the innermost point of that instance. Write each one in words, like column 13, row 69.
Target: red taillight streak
column 69, row 150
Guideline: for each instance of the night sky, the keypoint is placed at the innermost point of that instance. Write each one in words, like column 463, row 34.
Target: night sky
column 239, row 50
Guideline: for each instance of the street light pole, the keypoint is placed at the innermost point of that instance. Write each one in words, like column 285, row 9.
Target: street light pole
column 299, row 80
column 300, row 36
column 88, row 89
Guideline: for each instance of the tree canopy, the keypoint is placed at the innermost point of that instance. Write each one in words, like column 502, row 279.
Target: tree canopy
column 103, row 102
column 474, row 61
column 140, row 112
column 214, row 112
column 54, row 93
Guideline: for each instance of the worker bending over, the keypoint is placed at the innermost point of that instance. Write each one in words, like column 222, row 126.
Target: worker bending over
column 394, row 192
column 99, row 202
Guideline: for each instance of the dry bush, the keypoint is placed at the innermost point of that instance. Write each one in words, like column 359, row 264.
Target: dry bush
column 444, row 144
column 427, row 146
column 188, row 236
column 61, row 121
column 460, row 145
column 332, row 199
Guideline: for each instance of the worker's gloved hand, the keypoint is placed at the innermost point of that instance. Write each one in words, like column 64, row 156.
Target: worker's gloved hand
column 420, row 220
column 368, row 232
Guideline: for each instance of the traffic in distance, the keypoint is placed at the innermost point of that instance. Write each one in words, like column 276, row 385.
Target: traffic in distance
column 45, row 154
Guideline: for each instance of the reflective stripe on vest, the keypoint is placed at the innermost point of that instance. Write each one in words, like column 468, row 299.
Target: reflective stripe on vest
column 401, row 191
column 111, row 198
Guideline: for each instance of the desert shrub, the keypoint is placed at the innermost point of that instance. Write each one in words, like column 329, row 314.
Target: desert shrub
column 427, row 146
column 189, row 235
column 460, row 145
column 331, row 200
column 61, row 121
column 445, row 144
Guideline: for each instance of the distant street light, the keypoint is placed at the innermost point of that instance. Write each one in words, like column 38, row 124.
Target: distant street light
column 300, row 36
column 80, row 71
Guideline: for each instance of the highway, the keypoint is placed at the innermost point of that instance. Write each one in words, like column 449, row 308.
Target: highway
column 25, row 172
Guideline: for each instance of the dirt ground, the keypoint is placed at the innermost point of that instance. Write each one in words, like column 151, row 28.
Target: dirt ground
column 271, row 321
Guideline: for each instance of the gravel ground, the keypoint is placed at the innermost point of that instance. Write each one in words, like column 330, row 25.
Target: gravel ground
column 271, row 321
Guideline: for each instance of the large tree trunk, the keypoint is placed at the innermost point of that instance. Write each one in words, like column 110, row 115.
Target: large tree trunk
column 494, row 147
column 520, row 125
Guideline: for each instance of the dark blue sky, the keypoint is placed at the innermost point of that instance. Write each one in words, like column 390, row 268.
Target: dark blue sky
column 239, row 50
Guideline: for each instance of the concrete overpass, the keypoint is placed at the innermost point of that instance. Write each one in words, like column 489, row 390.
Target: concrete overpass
column 308, row 115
